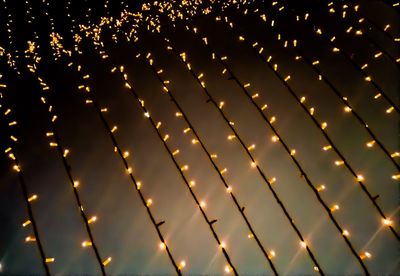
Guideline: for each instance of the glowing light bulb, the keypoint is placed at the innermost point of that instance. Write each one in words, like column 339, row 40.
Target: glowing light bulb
column 390, row 109
column 345, row 233
column 327, row 148
column 365, row 255
column 202, row 204
column 50, row 260
column 360, row 177
column 251, row 147
column 30, row 239
column 334, row 208
column 396, row 177
column 321, row 188
column 86, row 243
column 32, row 198
column 107, row 261
column 182, row 265
column 271, row 254
column 370, row 144
column 339, row 162
column 347, row 109
column 303, row 244
column 162, row 246
column 387, row 222
column 92, row 219
column 395, row 154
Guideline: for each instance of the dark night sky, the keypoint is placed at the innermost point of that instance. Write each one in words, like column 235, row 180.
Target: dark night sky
column 123, row 229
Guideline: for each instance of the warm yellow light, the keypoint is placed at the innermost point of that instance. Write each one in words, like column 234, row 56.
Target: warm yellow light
column 346, row 233
column 395, row 154
column 370, row 144
column 339, row 162
column 182, row 265
column 396, row 176
column 162, row 246
column 92, row 219
column 30, row 239
column 327, row 147
column 86, row 243
column 271, row 254
column 107, row 261
column 387, row 222
column 32, row 198
column 334, row 208
column 251, row 147
column 50, row 260
column 390, row 109
column 303, row 244
column 365, row 255
column 321, row 188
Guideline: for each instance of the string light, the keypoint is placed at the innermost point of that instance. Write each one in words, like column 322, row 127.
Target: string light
column 347, row 165
column 10, row 151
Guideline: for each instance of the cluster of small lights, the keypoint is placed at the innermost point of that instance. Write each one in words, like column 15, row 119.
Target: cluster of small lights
column 322, row 126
